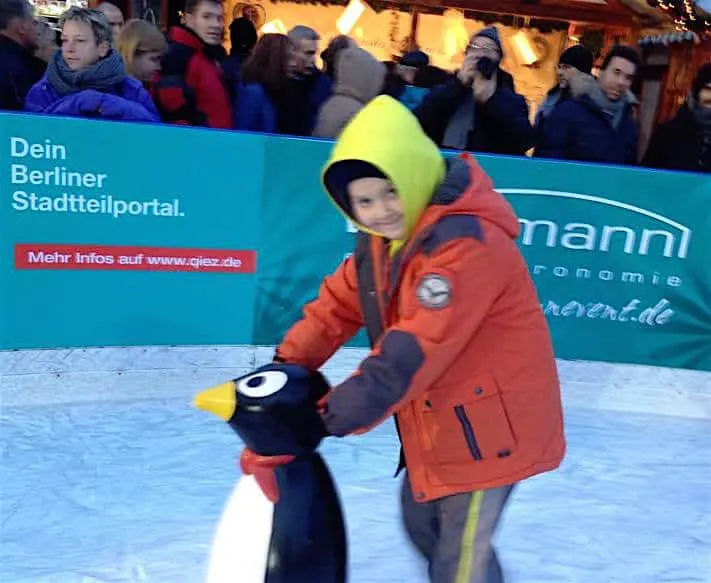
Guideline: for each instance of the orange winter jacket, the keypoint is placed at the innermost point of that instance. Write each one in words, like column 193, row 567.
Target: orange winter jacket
column 461, row 354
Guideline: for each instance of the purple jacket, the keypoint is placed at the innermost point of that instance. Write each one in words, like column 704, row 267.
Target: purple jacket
column 131, row 102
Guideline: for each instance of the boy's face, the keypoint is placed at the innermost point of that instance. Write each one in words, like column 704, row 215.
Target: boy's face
column 377, row 206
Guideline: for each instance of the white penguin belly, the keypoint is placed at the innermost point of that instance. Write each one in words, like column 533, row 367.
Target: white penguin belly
column 240, row 548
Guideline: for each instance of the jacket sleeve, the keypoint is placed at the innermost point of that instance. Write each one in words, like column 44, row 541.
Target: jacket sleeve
column 507, row 116
column 438, row 107
column 177, row 102
column 175, row 99
column 412, row 355
column 145, row 100
column 38, row 98
column 328, row 323
column 555, row 135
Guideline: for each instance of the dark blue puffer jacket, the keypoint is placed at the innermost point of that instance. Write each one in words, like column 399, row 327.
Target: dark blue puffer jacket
column 577, row 129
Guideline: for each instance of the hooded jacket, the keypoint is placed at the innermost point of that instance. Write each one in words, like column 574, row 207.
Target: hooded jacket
column 359, row 78
column 461, row 350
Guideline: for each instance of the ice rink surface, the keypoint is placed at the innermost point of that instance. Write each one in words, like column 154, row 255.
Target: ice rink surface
column 108, row 475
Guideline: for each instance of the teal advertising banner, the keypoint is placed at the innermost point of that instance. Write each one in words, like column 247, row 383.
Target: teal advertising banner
column 619, row 258
column 126, row 234
column 123, row 234
column 619, row 255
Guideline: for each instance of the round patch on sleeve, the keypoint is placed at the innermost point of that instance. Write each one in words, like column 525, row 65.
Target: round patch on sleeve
column 434, row 291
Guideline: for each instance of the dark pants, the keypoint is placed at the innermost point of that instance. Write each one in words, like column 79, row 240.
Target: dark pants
column 455, row 533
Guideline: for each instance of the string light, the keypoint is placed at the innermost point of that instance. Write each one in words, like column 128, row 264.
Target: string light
column 685, row 15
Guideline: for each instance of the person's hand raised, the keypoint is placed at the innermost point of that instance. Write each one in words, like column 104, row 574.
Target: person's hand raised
column 467, row 71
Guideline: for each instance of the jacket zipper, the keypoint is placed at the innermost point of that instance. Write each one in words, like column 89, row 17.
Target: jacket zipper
column 380, row 271
column 468, row 432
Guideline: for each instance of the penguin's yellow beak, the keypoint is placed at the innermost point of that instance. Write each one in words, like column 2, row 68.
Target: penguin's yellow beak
column 220, row 400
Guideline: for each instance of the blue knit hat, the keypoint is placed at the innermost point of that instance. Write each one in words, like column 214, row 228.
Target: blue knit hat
column 491, row 33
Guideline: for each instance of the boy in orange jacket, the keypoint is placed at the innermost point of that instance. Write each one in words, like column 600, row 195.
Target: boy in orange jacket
column 461, row 353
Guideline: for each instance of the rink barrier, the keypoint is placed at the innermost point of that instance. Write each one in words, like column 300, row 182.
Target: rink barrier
column 32, row 378
column 116, row 234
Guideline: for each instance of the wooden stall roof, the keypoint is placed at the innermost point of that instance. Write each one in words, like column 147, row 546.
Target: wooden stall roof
column 607, row 13
column 604, row 12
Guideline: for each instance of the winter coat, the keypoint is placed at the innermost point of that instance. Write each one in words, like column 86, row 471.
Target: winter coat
column 192, row 89
column 19, row 70
column 554, row 97
column 254, row 109
column 462, row 355
column 129, row 102
column 232, row 68
column 679, row 145
column 360, row 78
column 578, row 129
column 500, row 126
column 307, row 95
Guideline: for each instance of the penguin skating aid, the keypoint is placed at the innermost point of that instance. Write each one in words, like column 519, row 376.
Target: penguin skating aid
column 283, row 522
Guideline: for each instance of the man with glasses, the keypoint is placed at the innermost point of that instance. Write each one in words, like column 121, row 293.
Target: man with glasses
column 478, row 109
column 575, row 60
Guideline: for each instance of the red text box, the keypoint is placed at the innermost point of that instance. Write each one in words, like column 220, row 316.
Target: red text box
column 133, row 258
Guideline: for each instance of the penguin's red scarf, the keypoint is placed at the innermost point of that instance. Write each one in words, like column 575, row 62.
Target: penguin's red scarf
column 262, row 468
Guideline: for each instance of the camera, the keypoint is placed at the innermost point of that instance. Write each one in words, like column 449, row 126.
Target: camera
column 486, row 67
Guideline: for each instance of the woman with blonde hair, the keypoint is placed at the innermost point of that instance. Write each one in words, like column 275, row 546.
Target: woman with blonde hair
column 141, row 45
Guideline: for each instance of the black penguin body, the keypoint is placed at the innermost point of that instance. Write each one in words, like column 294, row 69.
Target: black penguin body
column 274, row 411
column 308, row 542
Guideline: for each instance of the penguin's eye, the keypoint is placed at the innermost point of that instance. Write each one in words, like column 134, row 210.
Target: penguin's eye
column 262, row 384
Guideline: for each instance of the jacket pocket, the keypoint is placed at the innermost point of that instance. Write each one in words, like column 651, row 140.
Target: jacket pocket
column 470, row 425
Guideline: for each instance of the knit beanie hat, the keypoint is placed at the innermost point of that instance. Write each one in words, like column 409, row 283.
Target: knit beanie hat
column 416, row 59
column 243, row 34
column 341, row 174
column 578, row 57
column 702, row 79
column 491, row 33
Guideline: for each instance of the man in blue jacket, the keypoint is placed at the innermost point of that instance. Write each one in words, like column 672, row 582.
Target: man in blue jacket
column 478, row 109
column 598, row 123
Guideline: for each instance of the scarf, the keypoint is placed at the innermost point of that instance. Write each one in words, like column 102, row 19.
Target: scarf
column 554, row 97
column 103, row 76
column 461, row 124
column 613, row 110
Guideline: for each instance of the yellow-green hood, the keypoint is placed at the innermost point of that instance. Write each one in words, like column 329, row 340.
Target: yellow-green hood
column 386, row 135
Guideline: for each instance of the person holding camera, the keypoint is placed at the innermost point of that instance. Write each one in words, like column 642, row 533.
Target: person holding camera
column 478, row 109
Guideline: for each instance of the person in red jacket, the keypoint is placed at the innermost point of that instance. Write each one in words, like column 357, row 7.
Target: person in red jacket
column 461, row 352
column 192, row 89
